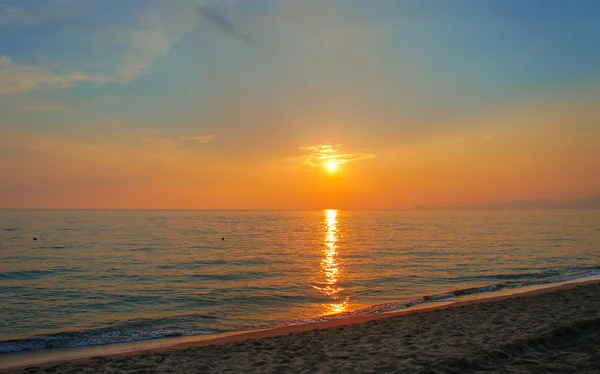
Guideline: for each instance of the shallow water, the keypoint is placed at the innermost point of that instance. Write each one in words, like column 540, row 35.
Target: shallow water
column 96, row 277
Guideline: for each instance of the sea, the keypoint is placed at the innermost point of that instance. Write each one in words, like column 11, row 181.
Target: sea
column 73, row 278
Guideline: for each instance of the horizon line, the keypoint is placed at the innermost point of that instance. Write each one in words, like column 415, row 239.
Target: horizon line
column 417, row 208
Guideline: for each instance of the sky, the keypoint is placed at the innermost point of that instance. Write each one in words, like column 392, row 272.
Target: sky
column 243, row 104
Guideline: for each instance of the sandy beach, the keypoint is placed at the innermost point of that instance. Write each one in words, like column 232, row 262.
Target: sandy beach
column 551, row 330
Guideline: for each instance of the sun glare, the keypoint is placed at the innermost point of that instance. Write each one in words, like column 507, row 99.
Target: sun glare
column 331, row 166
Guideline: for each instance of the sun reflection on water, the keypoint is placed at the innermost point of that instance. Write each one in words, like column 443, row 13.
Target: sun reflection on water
column 330, row 267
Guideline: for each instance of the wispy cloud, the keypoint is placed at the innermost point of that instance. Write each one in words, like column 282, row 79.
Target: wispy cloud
column 220, row 21
column 21, row 78
column 321, row 154
column 200, row 138
column 147, row 37
column 142, row 41
column 10, row 14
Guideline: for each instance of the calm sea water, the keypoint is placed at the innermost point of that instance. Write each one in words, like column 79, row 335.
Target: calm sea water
column 97, row 277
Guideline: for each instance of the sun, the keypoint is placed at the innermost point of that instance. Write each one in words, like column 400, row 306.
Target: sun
column 331, row 165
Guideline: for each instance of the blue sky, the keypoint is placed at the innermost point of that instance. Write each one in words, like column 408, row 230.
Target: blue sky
column 238, row 81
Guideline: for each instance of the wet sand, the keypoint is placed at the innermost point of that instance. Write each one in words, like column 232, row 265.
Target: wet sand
column 548, row 330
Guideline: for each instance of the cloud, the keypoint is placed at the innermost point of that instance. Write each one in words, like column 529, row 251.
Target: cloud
column 220, row 21
column 114, row 52
column 10, row 15
column 122, row 52
column 158, row 30
column 321, row 154
column 22, row 78
column 200, row 138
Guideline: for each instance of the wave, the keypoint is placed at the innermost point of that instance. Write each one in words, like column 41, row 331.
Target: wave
column 523, row 274
column 35, row 274
column 97, row 337
column 566, row 278
column 146, row 329
column 536, row 279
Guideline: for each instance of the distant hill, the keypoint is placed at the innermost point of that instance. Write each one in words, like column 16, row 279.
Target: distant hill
column 589, row 203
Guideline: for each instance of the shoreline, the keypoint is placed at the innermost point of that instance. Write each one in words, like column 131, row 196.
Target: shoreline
column 52, row 357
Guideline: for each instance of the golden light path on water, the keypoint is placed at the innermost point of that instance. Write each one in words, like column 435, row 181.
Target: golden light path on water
column 330, row 267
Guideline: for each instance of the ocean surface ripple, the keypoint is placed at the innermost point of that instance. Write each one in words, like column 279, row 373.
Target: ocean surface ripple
column 100, row 277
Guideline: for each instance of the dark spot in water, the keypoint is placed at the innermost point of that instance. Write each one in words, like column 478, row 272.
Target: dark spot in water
column 34, row 238
column 173, row 334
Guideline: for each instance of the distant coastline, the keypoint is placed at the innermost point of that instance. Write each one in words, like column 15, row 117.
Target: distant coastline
column 588, row 203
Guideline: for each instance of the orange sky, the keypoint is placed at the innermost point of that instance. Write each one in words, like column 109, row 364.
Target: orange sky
column 417, row 104
column 524, row 156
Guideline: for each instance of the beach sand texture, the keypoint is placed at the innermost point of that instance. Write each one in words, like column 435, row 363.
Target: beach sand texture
column 548, row 331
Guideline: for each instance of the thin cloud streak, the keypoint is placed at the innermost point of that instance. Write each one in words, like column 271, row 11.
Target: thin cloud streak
column 221, row 22
column 321, row 154
column 200, row 138
column 22, row 78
